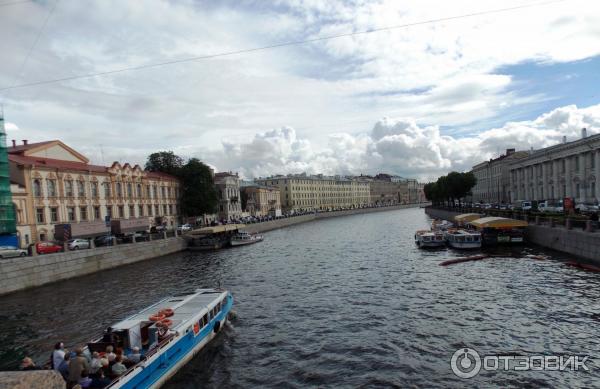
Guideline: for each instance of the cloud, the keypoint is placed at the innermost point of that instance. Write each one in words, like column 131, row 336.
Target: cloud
column 399, row 146
column 10, row 127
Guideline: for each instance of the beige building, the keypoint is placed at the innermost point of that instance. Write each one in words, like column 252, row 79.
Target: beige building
column 228, row 191
column 53, row 184
column 568, row 169
column 304, row 192
column 493, row 178
column 262, row 200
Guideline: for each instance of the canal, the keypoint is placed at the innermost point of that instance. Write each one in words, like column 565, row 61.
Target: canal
column 341, row 302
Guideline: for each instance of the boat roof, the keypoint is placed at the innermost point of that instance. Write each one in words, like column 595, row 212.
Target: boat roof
column 467, row 217
column 498, row 222
column 185, row 307
column 217, row 229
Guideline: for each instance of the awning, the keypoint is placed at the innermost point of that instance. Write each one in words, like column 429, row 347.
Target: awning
column 498, row 222
column 467, row 217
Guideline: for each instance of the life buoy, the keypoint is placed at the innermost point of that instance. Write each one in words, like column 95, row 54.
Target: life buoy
column 168, row 312
column 164, row 323
column 157, row 317
column 217, row 327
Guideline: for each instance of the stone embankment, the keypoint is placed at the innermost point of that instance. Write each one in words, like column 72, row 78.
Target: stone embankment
column 582, row 243
column 37, row 379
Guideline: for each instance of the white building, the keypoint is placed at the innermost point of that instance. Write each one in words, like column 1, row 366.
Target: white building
column 228, row 191
column 493, row 181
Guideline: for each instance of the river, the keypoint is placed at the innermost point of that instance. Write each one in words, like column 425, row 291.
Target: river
column 341, row 302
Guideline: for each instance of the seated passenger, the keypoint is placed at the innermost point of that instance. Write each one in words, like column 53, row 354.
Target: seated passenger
column 135, row 355
column 28, row 364
column 110, row 355
column 63, row 368
column 118, row 368
column 105, row 369
column 100, row 381
column 85, row 381
column 95, row 364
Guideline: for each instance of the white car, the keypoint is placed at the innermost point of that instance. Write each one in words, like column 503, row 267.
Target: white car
column 11, row 251
column 76, row 244
column 586, row 207
column 184, row 227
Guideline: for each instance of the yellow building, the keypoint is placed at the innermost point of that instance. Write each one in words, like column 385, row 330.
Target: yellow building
column 262, row 200
column 53, row 184
column 303, row 192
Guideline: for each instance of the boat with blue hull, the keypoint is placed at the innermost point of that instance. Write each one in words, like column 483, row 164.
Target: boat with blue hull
column 168, row 334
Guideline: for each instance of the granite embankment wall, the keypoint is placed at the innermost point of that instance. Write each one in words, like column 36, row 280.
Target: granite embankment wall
column 281, row 223
column 37, row 379
column 575, row 242
column 21, row 273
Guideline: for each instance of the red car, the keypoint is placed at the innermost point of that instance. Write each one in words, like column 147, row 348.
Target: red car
column 48, row 248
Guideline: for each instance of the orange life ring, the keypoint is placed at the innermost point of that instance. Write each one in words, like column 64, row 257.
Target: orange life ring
column 158, row 317
column 164, row 323
column 168, row 312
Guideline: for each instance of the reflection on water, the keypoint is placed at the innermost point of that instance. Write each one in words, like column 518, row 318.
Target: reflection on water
column 348, row 301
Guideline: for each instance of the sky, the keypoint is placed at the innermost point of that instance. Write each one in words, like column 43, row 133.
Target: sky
column 416, row 101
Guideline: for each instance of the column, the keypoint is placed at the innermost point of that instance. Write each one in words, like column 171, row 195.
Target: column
column 526, row 194
column 545, row 194
column 583, row 182
column 597, row 172
column 555, row 184
column 568, row 178
column 511, row 185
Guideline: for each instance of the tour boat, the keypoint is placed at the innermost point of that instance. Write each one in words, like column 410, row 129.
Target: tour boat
column 429, row 238
column 168, row 334
column 463, row 239
column 441, row 225
column 244, row 237
column 500, row 230
column 211, row 238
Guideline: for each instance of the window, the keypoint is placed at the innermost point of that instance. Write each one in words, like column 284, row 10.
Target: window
column 563, row 166
column 139, row 190
column 119, row 190
column 129, row 190
column 577, row 190
column 71, row 214
column 165, row 209
column 577, row 165
column 121, row 211
column 150, row 213
column 148, row 191
column 54, row 215
column 109, row 211
column 97, row 213
column 69, row 188
column 592, row 161
column 39, row 215
column 131, row 211
column 94, row 189
column 51, row 188
column 80, row 188
column 162, row 191
column 170, row 209
column 155, row 191
column 593, row 189
column 107, row 189
column 141, row 210
column 156, row 212
column 83, row 213
column 37, row 188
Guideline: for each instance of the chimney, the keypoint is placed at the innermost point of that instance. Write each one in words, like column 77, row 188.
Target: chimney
column 584, row 132
column 509, row 152
column 564, row 139
column 24, row 142
column 14, row 142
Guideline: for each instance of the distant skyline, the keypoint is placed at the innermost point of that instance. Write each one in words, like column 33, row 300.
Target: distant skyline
column 416, row 102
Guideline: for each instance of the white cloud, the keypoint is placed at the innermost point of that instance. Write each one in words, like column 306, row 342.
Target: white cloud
column 10, row 127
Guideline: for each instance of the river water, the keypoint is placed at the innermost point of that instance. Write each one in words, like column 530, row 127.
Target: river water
column 341, row 302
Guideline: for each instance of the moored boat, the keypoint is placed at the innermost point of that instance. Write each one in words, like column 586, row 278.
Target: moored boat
column 211, row 238
column 244, row 238
column 426, row 238
column 441, row 225
column 463, row 239
column 167, row 334
column 500, row 230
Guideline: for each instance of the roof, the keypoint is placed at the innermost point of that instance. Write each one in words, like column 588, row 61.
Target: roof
column 160, row 175
column 498, row 222
column 56, row 163
column 217, row 229
column 21, row 148
column 467, row 217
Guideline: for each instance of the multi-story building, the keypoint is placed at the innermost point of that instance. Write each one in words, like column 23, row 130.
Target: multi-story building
column 385, row 189
column 262, row 200
column 312, row 192
column 228, row 191
column 493, row 178
column 53, row 184
column 568, row 169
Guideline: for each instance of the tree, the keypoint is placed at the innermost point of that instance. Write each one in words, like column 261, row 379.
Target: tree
column 164, row 161
column 198, row 194
column 454, row 186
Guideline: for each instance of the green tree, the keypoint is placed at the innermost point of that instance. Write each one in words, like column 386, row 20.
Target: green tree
column 164, row 161
column 198, row 194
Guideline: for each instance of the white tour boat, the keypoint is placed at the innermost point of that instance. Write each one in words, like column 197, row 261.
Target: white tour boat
column 168, row 334
column 441, row 225
column 243, row 237
column 429, row 238
column 463, row 239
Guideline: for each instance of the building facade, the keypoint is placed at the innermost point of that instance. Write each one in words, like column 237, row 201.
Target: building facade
column 54, row 184
column 493, row 178
column 262, row 200
column 385, row 189
column 228, row 191
column 318, row 192
column 569, row 169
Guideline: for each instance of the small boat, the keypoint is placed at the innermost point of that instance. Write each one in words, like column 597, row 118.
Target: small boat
column 426, row 238
column 463, row 239
column 211, row 238
column 168, row 334
column 500, row 230
column 441, row 225
column 244, row 237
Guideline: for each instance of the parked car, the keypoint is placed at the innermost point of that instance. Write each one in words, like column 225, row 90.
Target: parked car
column 184, row 228
column 526, row 206
column 586, row 208
column 128, row 238
column 11, row 251
column 76, row 244
column 104, row 240
column 48, row 247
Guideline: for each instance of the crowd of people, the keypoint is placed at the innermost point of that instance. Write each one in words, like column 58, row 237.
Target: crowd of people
column 81, row 368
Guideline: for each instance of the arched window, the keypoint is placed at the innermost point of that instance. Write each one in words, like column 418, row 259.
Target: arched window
column 51, row 188
column 69, row 188
column 139, row 190
column 106, row 189
column 119, row 190
column 81, row 189
column 129, row 190
column 37, row 188
column 94, row 189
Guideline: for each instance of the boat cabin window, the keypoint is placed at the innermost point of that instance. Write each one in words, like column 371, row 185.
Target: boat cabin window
column 204, row 320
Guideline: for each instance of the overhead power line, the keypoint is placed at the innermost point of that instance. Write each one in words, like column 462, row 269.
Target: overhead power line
column 277, row 45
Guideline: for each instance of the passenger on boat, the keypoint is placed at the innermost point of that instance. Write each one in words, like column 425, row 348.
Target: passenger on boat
column 85, row 381
column 110, row 355
column 118, row 368
column 101, row 381
column 63, row 368
column 58, row 355
column 95, row 364
column 77, row 366
column 135, row 355
column 28, row 364
column 109, row 336
column 105, row 367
